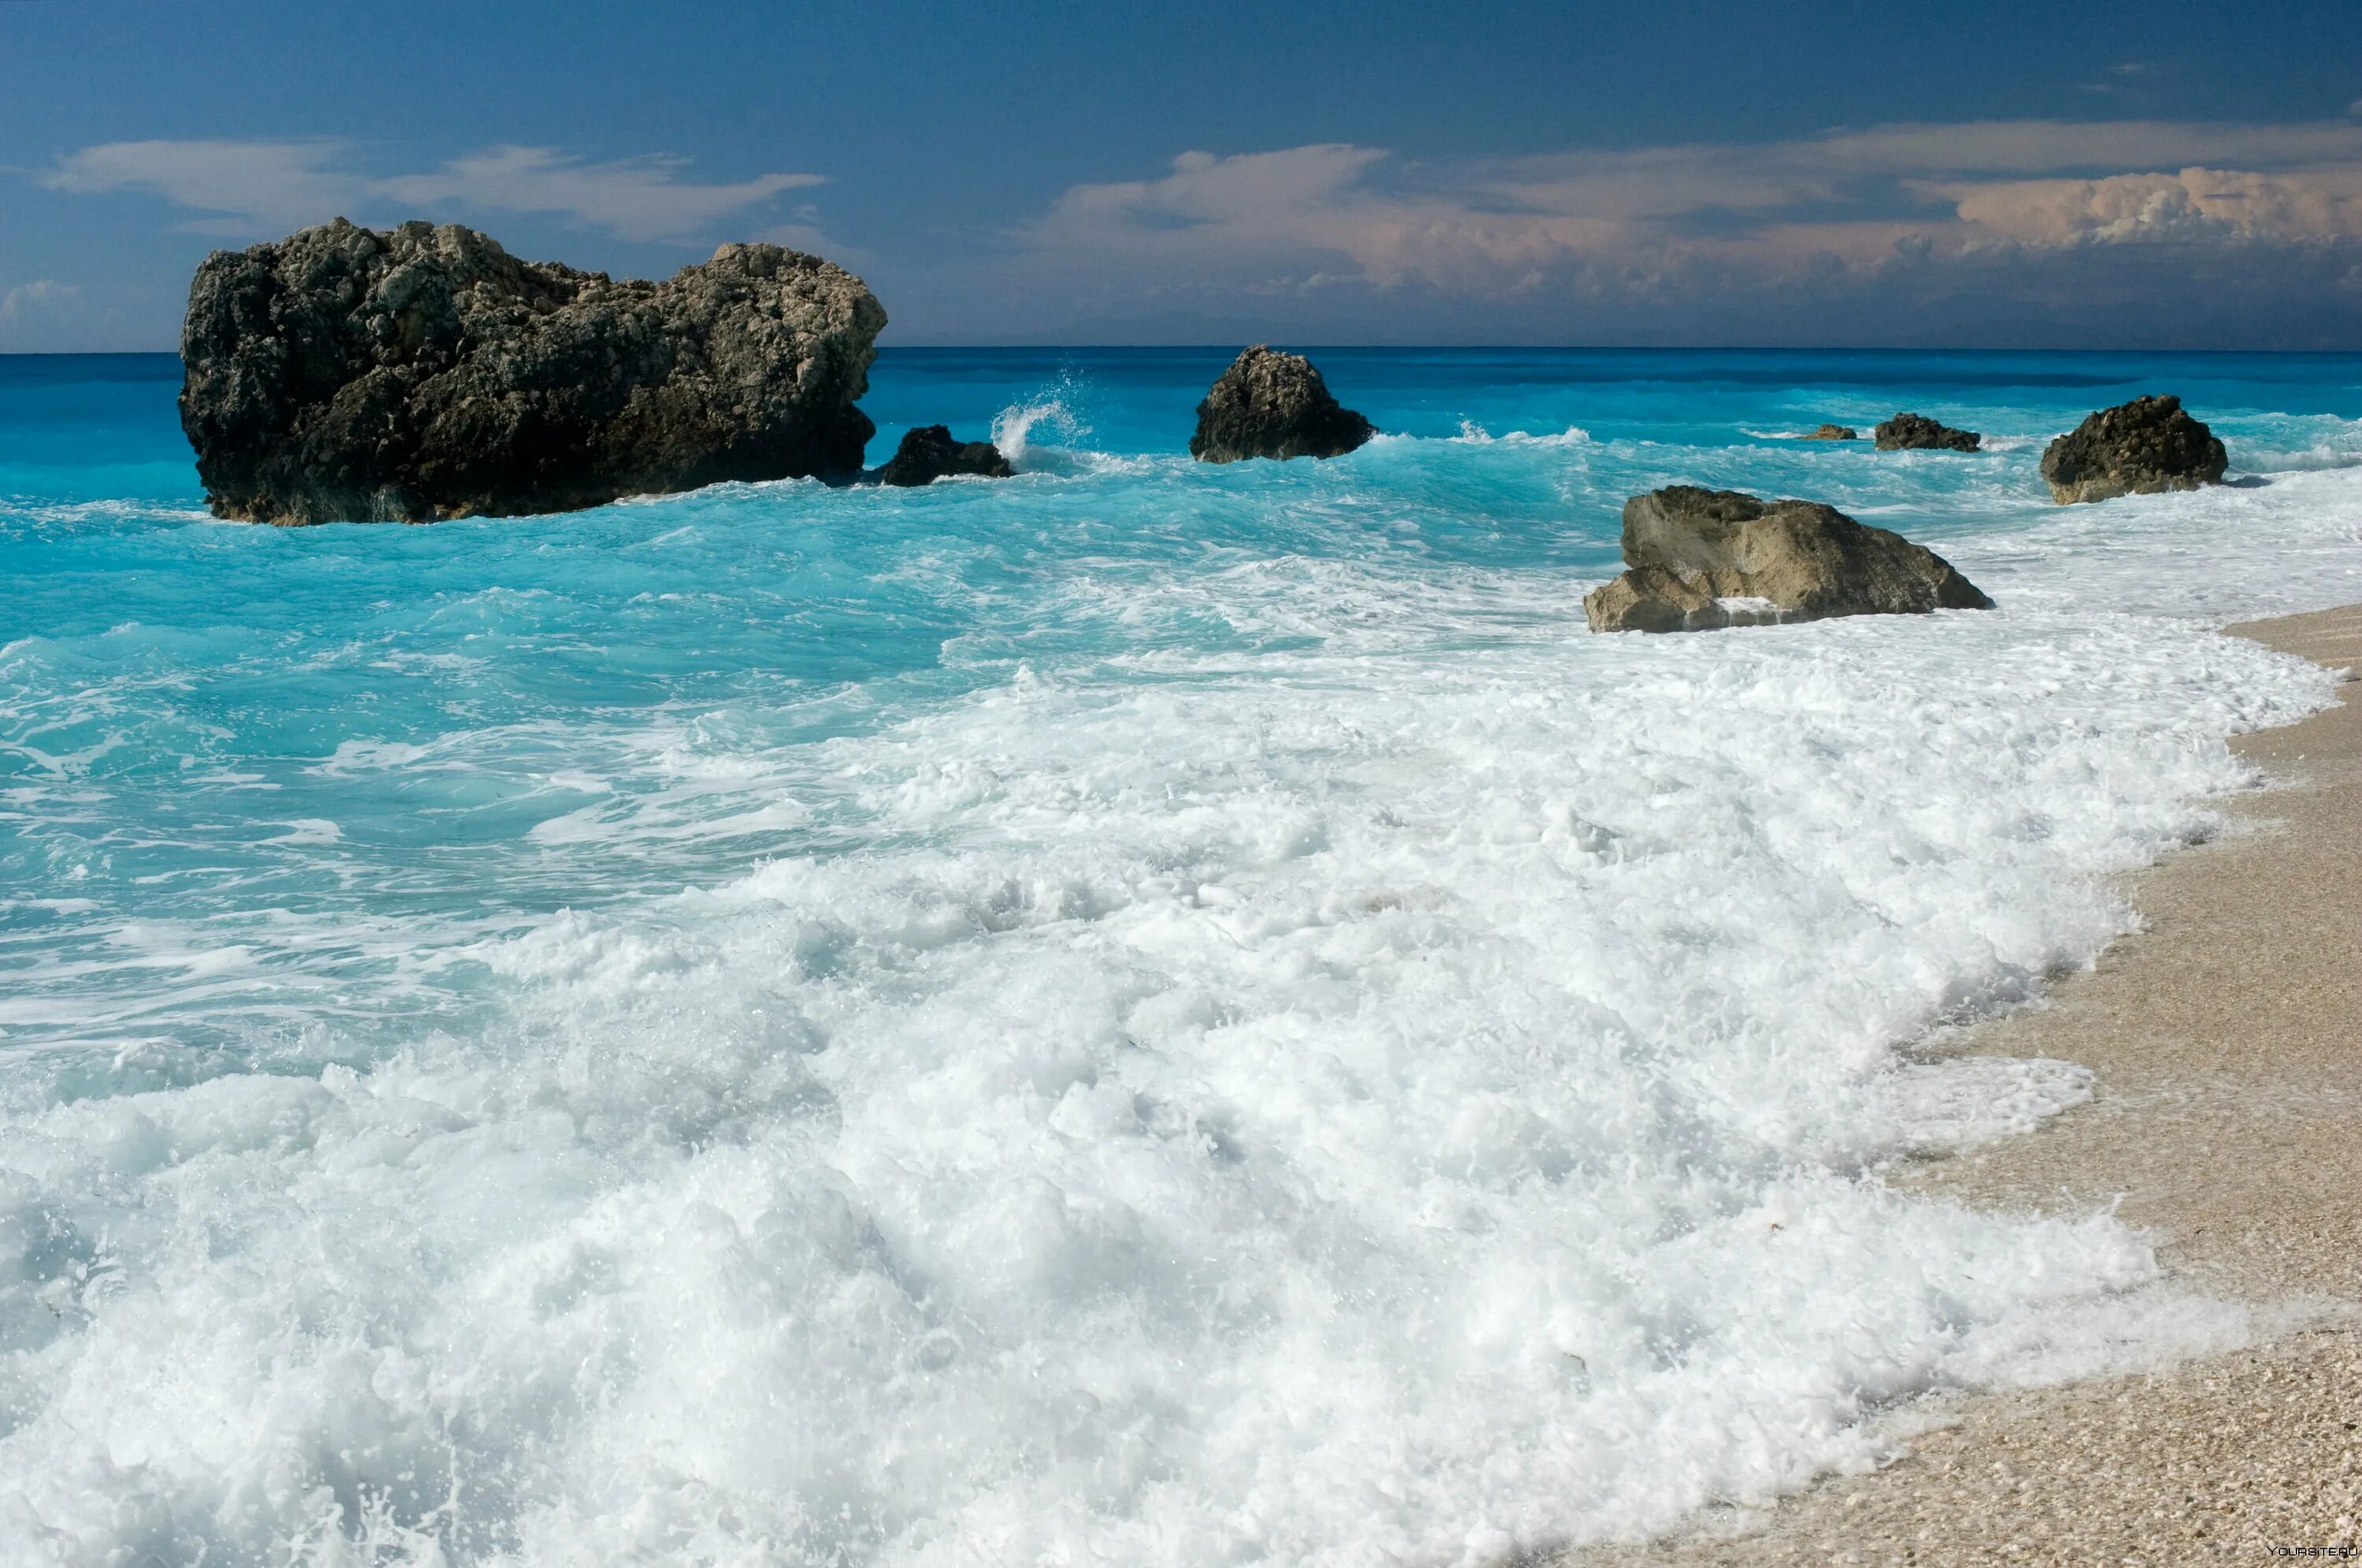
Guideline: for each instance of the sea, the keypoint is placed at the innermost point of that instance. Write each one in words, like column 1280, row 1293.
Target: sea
column 1143, row 1013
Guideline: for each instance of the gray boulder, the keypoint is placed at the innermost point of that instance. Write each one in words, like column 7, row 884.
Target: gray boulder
column 1706, row 558
column 1906, row 432
column 1832, row 433
column 423, row 373
column 1270, row 405
column 929, row 453
column 2134, row 448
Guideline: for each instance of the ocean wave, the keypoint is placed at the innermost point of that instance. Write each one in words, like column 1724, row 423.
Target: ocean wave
column 105, row 512
column 1152, row 1012
column 1471, row 434
column 1400, row 1046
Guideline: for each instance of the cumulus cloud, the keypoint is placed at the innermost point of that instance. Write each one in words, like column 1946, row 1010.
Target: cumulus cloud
column 249, row 187
column 1267, row 211
column 1646, row 220
column 2197, row 203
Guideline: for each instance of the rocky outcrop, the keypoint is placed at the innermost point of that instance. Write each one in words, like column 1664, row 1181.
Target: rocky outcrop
column 1832, row 433
column 1270, row 405
column 2134, row 448
column 1706, row 558
column 929, row 453
column 1906, row 432
column 425, row 373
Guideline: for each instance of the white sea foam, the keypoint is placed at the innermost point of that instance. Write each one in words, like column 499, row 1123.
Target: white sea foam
column 1857, row 444
column 1013, row 427
column 1475, row 435
column 2294, row 543
column 1393, row 1096
column 96, row 513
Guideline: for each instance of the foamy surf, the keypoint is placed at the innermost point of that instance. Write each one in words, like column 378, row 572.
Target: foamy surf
column 1175, row 1017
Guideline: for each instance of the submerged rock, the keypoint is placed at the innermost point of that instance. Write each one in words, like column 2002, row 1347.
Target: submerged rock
column 1832, row 433
column 2134, row 448
column 1704, row 558
column 1908, row 431
column 1270, row 405
column 929, row 453
column 423, row 373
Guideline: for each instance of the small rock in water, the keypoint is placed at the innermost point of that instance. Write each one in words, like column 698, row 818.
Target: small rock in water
column 1833, row 433
column 1270, row 405
column 929, row 453
column 1706, row 558
column 2134, row 448
column 346, row 375
column 1906, row 432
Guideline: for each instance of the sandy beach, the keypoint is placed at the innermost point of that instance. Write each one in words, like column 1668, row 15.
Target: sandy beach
column 2227, row 1040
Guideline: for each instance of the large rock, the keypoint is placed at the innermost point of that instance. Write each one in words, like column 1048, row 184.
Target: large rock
column 426, row 373
column 1906, row 432
column 929, row 453
column 1705, row 559
column 1269, row 404
column 2134, row 448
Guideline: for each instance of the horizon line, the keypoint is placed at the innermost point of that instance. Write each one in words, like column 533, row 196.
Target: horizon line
column 1232, row 345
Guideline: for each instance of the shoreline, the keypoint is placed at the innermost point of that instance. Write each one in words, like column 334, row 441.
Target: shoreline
column 2226, row 1040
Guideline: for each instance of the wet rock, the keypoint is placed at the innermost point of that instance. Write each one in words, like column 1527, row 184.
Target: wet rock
column 929, row 453
column 422, row 374
column 2139, row 447
column 1707, row 559
column 1908, row 431
column 1832, row 433
column 1270, row 405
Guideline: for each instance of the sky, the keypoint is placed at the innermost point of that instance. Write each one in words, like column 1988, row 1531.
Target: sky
column 2005, row 175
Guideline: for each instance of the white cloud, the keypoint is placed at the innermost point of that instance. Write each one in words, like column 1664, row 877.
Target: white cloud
column 2196, row 204
column 637, row 198
column 38, row 297
column 271, row 186
column 272, row 183
column 2123, row 72
column 1637, row 222
column 807, row 237
column 46, row 315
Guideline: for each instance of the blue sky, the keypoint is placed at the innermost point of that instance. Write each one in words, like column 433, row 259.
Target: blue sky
column 2153, row 174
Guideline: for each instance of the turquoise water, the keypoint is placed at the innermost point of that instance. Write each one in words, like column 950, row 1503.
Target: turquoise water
column 168, row 677
column 1111, row 1011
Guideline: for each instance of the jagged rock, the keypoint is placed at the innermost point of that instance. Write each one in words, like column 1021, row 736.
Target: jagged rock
column 1704, row 558
column 1833, row 433
column 423, row 373
column 1269, row 404
column 2134, row 448
column 1905, row 431
column 929, row 453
